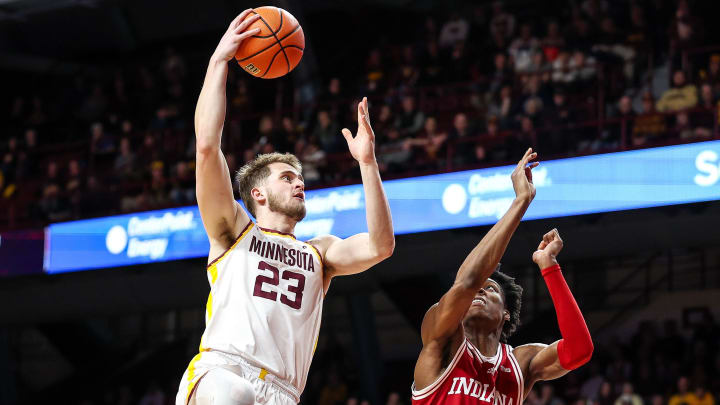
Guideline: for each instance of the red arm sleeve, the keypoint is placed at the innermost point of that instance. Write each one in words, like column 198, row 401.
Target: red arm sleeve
column 576, row 347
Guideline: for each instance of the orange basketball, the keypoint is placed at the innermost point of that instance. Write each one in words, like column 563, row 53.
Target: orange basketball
column 276, row 49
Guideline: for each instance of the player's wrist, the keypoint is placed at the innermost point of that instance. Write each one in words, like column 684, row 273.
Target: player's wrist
column 548, row 264
column 369, row 163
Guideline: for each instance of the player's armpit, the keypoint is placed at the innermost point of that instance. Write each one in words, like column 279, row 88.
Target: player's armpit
column 221, row 214
column 444, row 319
column 352, row 255
column 539, row 362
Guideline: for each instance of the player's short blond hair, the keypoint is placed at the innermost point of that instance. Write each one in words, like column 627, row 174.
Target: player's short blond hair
column 256, row 171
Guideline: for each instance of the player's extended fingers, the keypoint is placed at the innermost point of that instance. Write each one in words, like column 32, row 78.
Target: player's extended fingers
column 524, row 159
column 347, row 134
column 246, row 34
column 556, row 234
column 246, row 23
column 239, row 19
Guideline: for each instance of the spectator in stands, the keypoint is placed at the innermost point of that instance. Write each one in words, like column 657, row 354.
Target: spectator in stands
column 158, row 185
column 683, row 395
column 606, row 396
column 393, row 399
column 502, row 23
column 638, row 37
column 313, row 160
column 680, row 96
column 394, row 153
column 502, row 73
column 455, row 30
column 126, row 161
column 334, row 391
column 523, row 48
column 701, row 396
column 611, row 42
column 410, row 120
column 326, row 132
column 503, row 107
column 459, row 135
column 101, row 142
column 182, row 185
column 53, row 204
column 649, row 126
column 590, row 388
column 685, row 29
column 628, row 396
column 431, row 64
column 581, row 69
column 269, row 134
column 711, row 75
column 429, row 145
column 375, row 70
column 685, row 130
column 553, row 42
column 547, row 395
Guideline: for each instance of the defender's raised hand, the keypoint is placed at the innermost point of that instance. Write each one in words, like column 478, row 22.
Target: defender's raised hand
column 235, row 34
column 362, row 146
column 522, row 176
column 548, row 249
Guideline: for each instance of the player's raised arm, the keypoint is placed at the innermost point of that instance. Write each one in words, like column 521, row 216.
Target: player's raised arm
column 220, row 213
column 362, row 251
column 547, row 362
column 443, row 320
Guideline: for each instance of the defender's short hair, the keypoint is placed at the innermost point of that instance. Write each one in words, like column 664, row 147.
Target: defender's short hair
column 256, row 171
column 513, row 300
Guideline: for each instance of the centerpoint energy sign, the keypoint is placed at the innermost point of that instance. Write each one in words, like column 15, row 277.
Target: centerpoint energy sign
column 599, row 183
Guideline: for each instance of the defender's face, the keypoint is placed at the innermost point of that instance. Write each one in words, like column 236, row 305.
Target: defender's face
column 489, row 302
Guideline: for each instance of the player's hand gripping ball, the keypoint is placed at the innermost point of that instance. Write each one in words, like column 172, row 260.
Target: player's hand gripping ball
column 276, row 49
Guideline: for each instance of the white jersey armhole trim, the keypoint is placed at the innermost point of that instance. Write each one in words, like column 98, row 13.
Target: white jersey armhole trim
column 519, row 377
column 425, row 392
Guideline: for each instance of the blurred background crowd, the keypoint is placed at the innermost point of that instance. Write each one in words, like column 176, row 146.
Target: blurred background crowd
column 464, row 88
column 461, row 86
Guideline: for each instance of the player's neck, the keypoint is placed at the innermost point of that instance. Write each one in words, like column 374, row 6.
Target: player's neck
column 276, row 221
column 487, row 341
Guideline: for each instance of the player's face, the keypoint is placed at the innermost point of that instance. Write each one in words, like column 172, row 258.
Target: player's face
column 488, row 302
column 286, row 191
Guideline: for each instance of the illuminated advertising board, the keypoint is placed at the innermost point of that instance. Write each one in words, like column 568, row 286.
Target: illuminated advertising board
column 582, row 185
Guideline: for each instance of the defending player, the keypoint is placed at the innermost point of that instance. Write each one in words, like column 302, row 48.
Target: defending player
column 267, row 288
column 464, row 359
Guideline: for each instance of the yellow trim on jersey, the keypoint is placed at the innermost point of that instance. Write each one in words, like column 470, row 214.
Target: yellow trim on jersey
column 263, row 373
column 213, row 273
column 317, row 252
column 208, row 308
column 315, row 345
column 242, row 235
column 191, row 377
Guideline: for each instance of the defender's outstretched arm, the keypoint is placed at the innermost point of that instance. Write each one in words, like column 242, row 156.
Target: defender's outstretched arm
column 220, row 213
column 444, row 318
column 547, row 362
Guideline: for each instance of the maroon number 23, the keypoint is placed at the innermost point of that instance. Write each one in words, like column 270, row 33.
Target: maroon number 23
column 274, row 280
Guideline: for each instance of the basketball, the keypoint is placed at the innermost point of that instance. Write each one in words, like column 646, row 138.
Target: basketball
column 276, row 49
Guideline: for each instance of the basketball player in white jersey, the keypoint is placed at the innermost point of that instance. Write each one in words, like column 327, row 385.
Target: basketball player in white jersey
column 267, row 288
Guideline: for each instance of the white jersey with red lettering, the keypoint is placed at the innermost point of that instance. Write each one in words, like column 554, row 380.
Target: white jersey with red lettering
column 474, row 379
column 265, row 305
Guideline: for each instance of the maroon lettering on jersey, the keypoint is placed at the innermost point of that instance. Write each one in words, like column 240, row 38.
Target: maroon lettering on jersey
column 472, row 378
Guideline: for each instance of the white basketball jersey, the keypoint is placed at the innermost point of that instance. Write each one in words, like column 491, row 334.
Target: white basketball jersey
column 265, row 304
